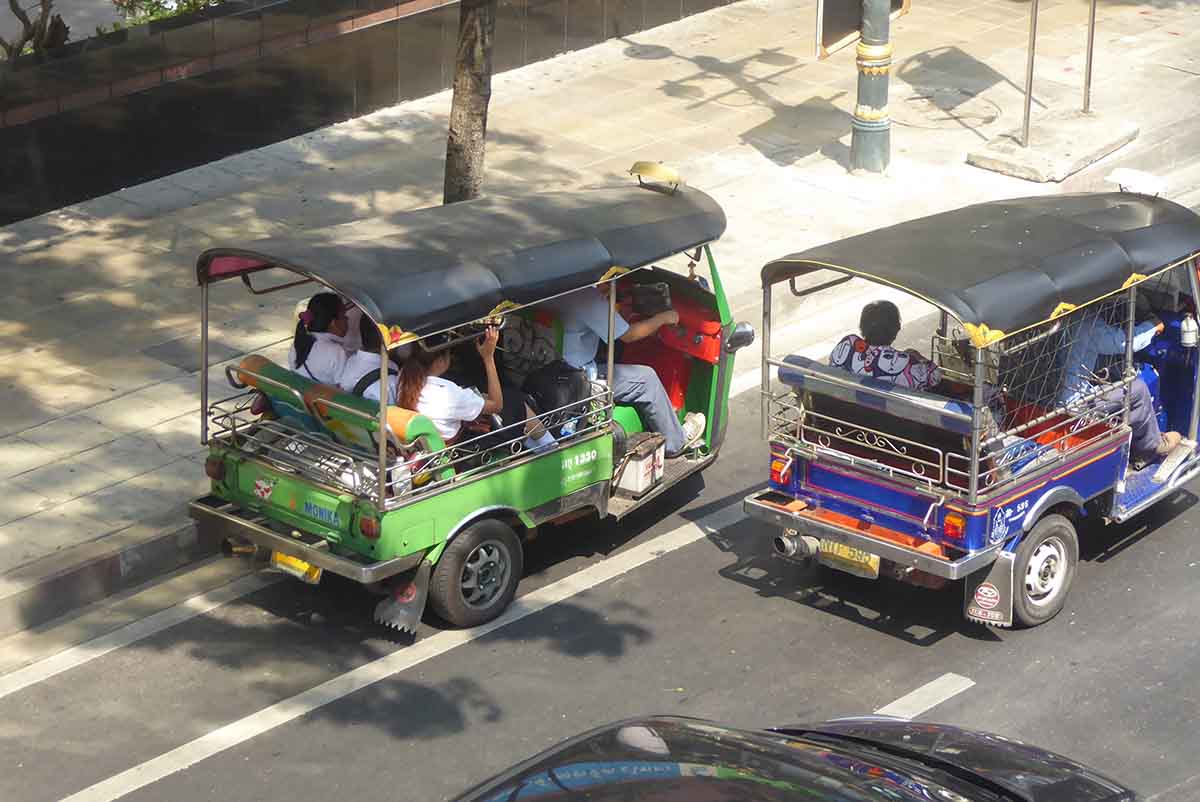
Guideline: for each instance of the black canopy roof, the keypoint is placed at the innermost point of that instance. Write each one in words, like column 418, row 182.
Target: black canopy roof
column 1007, row 265
column 427, row 270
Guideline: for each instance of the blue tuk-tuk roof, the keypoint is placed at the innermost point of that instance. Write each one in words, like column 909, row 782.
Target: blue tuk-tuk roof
column 1004, row 266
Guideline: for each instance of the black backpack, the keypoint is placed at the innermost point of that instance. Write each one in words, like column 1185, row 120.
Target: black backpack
column 558, row 386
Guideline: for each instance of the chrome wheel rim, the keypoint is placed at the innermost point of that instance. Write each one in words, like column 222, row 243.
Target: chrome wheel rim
column 485, row 574
column 1046, row 572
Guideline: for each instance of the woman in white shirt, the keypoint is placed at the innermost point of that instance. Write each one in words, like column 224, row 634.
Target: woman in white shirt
column 361, row 374
column 448, row 406
column 318, row 348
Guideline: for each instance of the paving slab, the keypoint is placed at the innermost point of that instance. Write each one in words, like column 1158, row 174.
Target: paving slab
column 1059, row 146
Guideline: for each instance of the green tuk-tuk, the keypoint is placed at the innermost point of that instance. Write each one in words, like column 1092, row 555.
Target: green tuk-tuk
column 300, row 471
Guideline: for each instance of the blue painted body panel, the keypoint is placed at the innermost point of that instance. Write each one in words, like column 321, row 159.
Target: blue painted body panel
column 869, row 498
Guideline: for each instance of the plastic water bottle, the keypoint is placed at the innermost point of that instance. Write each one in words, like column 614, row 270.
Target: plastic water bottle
column 1189, row 332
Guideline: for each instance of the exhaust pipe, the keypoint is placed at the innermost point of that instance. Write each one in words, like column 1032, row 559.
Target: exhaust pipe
column 792, row 545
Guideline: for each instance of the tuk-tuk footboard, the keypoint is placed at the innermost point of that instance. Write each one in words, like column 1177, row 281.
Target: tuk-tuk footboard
column 228, row 520
column 803, row 518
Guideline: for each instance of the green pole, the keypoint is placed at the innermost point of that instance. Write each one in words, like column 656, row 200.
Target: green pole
column 870, row 142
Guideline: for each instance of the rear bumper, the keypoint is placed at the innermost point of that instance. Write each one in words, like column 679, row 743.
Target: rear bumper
column 228, row 520
column 756, row 507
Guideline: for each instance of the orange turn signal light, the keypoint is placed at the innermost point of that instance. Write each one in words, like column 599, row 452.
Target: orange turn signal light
column 954, row 526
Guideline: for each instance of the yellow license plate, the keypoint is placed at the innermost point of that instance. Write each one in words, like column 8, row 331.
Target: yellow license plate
column 848, row 559
column 304, row 571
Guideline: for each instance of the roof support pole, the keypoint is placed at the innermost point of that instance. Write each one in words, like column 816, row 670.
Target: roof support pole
column 612, row 347
column 1033, row 14
column 765, row 362
column 1131, row 314
column 204, row 364
column 384, row 395
column 977, row 402
column 870, row 140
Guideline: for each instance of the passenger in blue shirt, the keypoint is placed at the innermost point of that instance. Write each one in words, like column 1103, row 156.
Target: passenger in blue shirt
column 584, row 315
column 1093, row 338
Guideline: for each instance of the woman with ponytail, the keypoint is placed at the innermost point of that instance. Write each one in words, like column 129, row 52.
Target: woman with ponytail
column 423, row 388
column 318, row 347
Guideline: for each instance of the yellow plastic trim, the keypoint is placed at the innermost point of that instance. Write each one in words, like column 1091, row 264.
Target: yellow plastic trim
column 395, row 336
column 1134, row 278
column 982, row 336
column 656, row 171
column 502, row 308
column 613, row 272
column 1062, row 309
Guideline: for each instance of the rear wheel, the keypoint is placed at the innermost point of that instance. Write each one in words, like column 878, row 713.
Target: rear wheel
column 1043, row 570
column 476, row 578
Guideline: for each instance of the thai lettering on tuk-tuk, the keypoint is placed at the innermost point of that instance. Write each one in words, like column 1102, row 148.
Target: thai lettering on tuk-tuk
column 1058, row 385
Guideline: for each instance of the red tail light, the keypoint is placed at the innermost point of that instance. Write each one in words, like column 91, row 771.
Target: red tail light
column 369, row 526
column 954, row 526
column 781, row 469
column 214, row 468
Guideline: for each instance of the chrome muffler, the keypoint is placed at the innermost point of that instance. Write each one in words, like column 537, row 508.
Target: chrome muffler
column 794, row 546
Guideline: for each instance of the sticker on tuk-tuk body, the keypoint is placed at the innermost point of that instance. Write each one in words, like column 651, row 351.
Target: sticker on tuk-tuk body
column 263, row 488
column 1006, row 520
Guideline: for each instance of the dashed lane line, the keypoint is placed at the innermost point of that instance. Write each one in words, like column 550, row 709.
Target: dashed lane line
column 927, row 697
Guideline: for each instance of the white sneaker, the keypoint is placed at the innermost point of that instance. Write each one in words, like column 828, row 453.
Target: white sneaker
column 693, row 428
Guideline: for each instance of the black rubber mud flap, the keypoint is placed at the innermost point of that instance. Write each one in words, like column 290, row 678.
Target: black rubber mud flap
column 988, row 593
column 405, row 602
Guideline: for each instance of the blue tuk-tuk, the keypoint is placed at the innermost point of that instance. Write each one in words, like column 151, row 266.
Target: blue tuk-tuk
column 983, row 466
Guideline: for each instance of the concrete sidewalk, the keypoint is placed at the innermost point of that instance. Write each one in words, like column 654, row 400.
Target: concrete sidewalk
column 98, row 387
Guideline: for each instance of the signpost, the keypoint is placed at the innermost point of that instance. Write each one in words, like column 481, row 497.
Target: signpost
column 839, row 23
column 867, row 22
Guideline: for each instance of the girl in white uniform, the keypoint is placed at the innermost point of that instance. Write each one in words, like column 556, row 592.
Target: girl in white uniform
column 319, row 349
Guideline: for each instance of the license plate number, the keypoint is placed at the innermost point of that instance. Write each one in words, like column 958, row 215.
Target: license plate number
column 848, row 559
column 304, row 571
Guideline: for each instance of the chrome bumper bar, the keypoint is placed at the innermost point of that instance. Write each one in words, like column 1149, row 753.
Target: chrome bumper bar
column 901, row 555
column 228, row 520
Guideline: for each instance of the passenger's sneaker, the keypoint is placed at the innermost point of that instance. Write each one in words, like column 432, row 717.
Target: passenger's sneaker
column 693, row 428
column 1168, row 443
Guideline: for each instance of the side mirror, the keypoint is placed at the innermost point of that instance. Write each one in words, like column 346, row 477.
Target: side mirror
column 741, row 336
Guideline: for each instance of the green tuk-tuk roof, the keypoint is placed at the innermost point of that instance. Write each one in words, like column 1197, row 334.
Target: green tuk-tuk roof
column 424, row 271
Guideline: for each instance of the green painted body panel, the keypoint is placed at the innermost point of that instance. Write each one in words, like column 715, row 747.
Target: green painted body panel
column 424, row 523
column 630, row 421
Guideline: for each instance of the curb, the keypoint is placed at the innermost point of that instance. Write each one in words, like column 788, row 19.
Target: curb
column 51, row 587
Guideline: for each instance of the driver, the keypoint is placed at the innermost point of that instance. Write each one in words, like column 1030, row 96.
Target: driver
column 1093, row 337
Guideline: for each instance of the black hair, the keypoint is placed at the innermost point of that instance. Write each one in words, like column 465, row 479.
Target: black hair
column 323, row 309
column 879, row 323
column 369, row 334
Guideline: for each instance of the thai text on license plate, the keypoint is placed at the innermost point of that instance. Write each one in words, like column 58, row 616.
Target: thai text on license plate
column 848, row 559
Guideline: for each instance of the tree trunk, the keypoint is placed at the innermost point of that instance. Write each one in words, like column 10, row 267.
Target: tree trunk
column 469, row 108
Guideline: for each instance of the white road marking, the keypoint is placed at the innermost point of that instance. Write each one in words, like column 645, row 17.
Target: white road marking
column 928, row 696
column 131, row 633
column 405, row 658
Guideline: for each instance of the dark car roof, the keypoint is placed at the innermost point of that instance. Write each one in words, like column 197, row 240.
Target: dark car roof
column 671, row 759
column 1008, row 265
column 424, row 271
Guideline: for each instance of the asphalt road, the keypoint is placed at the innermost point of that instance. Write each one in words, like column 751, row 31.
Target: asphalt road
column 716, row 628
